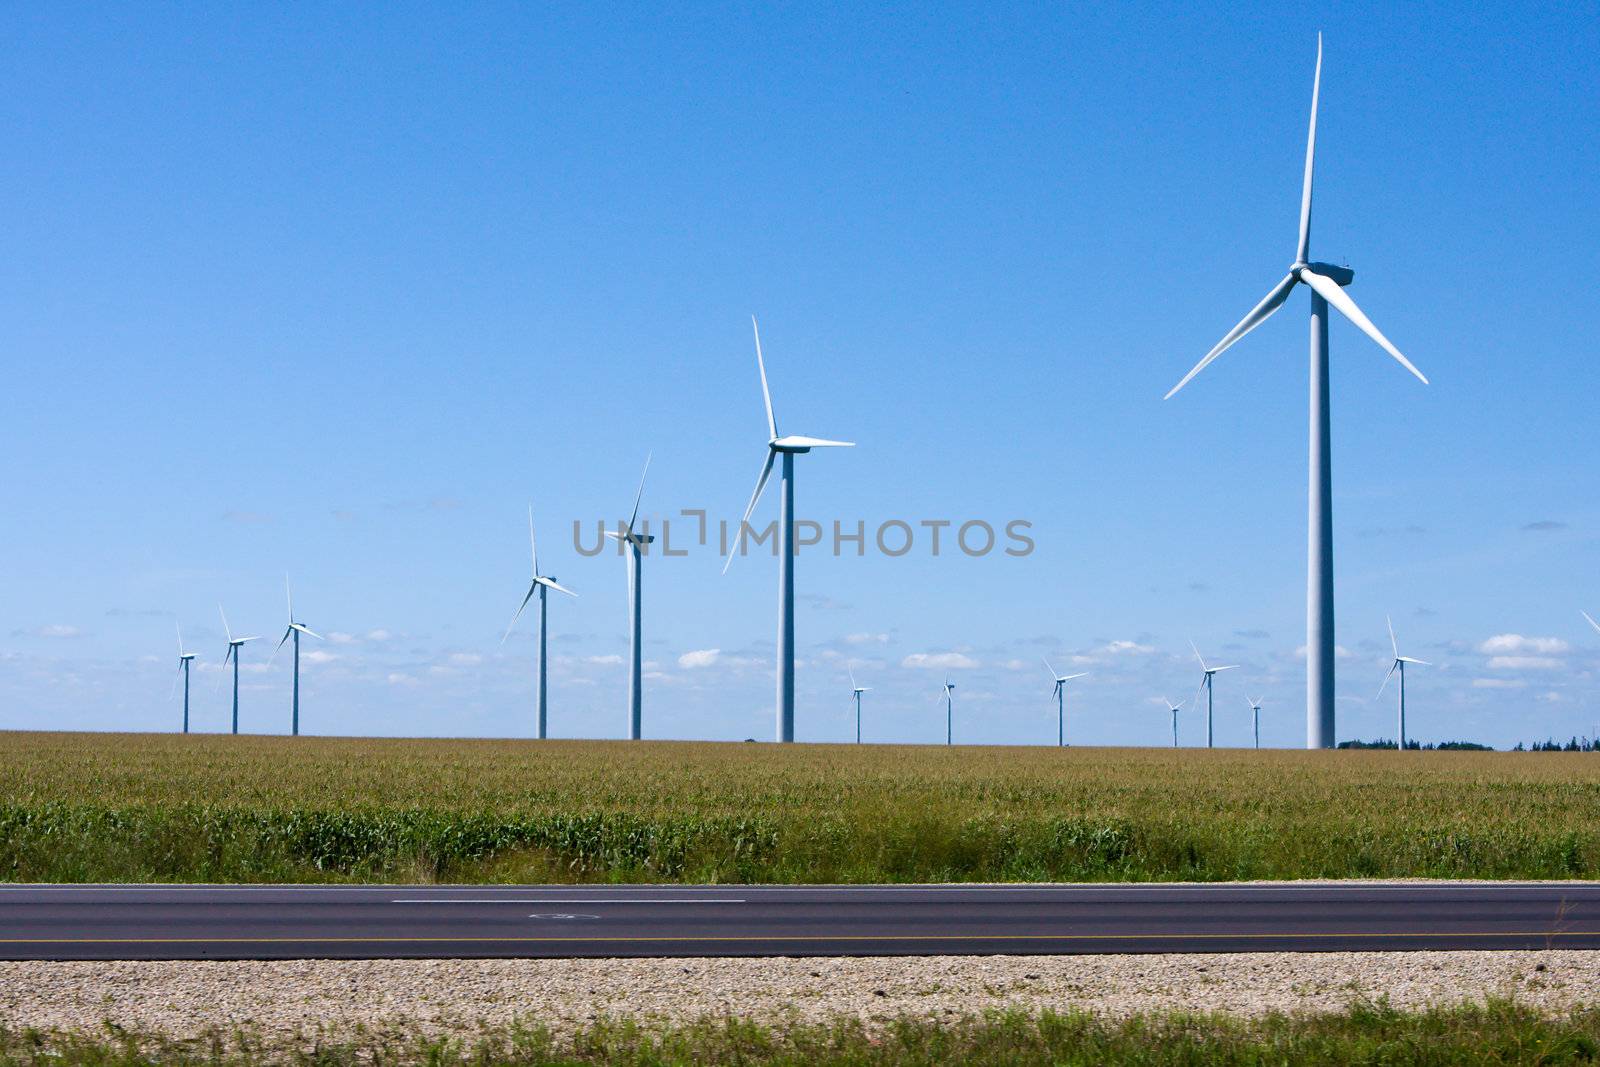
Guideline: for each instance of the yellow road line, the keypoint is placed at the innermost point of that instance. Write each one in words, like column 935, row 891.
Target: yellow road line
column 1330, row 935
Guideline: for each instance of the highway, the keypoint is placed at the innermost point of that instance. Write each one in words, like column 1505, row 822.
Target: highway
column 302, row 922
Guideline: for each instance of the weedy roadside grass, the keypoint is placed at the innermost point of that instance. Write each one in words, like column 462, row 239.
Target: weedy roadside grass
column 1497, row 1033
column 208, row 808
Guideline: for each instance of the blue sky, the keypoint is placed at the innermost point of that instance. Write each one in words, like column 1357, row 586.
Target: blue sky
column 338, row 293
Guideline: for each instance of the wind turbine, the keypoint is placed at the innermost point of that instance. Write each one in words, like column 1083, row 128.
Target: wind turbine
column 1061, row 700
column 1399, row 665
column 858, row 690
column 234, row 644
column 184, row 660
column 293, row 630
column 1174, row 708
column 788, row 447
column 949, row 710
column 1205, row 684
column 1326, row 283
column 1255, row 718
column 636, row 544
column 540, row 584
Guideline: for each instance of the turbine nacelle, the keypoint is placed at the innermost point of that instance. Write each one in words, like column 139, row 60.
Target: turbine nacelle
column 1340, row 276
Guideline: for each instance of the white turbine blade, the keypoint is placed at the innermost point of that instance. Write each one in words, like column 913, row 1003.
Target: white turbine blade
column 1586, row 615
column 1392, row 668
column 174, row 690
column 755, row 498
column 1303, row 250
column 180, row 638
column 281, row 640
column 229, row 654
column 851, row 671
column 1258, row 314
column 531, row 589
column 1049, row 668
column 799, row 441
column 1230, row 667
column 226, row 632
column 533, row 546
column 1070, row 677
column 766, row 394
column 289, row 596
column 640, row 494
column 557, row 586
column 308, row 631
column 242, row 640
column 1198, row 656
column 1418, row 662
column 1329, row 290
column 1393, row 644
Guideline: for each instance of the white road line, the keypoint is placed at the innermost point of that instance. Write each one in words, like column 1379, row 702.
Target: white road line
column 565, row 900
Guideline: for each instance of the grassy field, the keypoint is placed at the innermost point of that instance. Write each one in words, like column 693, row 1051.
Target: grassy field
column 1499, row 1033
column 99, row 807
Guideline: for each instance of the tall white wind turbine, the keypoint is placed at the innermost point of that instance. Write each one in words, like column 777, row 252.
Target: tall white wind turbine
column 184, row 660
column 234, row 645
column 857, row 690
column 1399, row 667
column 540, row 584
column 1255, row 718
column 788, row 447
column 1061, row 681
column 1174, row 708
column 949, row 710
column 1326, row 283
column 636, row 544
column 1205, row 686
column 293, row 631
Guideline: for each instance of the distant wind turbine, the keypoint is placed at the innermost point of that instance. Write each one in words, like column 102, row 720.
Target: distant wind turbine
column 787, row 447
column 857, row 690
column 636, row 546
column 1061, row 700
column 1399, row 666
column 1174, row 708
column 184, row 660
column 949, row 710
column 1205, row 685
column 234, row 644
column 1326, row 283
column 540, row 584
column 1255, row 718
column 294, row 630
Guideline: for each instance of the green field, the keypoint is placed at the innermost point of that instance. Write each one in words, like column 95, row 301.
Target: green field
column 101, row 807
column 1500, row 1033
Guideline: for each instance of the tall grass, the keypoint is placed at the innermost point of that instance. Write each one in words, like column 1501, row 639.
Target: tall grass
column 96, row 807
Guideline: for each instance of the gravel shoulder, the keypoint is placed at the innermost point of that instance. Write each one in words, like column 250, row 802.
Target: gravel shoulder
column 293, row 998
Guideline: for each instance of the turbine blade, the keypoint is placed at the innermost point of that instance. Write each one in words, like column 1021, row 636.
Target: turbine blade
column 531, row 588
column 852, row 673
column 180, row 637
column 281, row 640
column 640, row 494
column 1393, row 644
column 308, row 631
column 226, row 632
column 755, row 498
column 533, row 546
column 1229, row 667
column 289, row 596
column 557, row 586
column 1070, row 677
column 1392, row 668
column 1198, row 656
column 1303, row 250
column 766, row 394
column 801, row 441
column 1586, row 615
column 174, row 690
column 1258, row 314
column 1418, row 662
column 1049, row 668
column 1329, row 290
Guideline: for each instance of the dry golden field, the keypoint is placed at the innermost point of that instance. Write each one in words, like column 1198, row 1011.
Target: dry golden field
column 101, row 807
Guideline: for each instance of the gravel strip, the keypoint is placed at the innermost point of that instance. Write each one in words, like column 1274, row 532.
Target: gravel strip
column 285, row 999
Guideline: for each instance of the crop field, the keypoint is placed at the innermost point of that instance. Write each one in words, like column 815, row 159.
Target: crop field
column 103, row 807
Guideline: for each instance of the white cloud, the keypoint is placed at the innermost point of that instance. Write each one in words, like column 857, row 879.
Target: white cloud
column 949, row 661
column 379, row 635
column 339, row 638
column 1497, row 683
column 1117, row 648
column 1339, row 652
column 604, row 661
column 55, row 629
column 703, row 657
column 867, row 639
column 465, row 659
column 398, row 678
column 1016, row 664
column 1516, row 644
column 317, row 655
column 1523, row 663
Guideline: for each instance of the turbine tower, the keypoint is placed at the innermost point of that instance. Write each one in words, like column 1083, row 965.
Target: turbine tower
column 788, row 447
column 1061, row 700
column 540, row 584
column 1255, row 718
column 1174, row 708
column 234, row 644
column 1326, row 283
column 858, row 690
column 1399, row 666
column 294, row 630
column 1205, row 684
column 184, row 660
column 949, row 710
column 636, row 545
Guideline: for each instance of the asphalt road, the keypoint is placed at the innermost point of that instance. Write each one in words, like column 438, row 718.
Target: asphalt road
column 280, row 922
